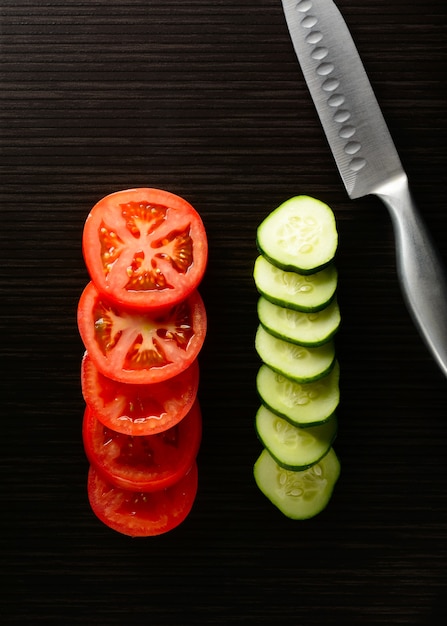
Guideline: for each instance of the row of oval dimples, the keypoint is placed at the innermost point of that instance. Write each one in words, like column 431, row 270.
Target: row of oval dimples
column 330, row 85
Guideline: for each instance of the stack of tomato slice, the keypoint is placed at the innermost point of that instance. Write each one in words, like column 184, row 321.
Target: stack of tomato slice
column 143, row 324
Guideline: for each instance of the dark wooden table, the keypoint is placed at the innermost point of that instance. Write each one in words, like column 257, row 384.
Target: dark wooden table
column 206, row 99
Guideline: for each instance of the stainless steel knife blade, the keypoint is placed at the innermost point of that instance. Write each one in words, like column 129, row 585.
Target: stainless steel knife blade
column 366, row 156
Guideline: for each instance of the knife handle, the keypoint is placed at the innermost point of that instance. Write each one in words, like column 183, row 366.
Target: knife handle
column 419, row 268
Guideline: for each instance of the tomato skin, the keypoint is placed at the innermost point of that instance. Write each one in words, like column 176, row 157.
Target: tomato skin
column 141, row 514
column 145, row 247
column 141, row 347
column 143, row 463
column 139, row 409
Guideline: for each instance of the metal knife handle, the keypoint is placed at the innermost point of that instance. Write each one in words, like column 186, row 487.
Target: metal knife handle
column 419, row 268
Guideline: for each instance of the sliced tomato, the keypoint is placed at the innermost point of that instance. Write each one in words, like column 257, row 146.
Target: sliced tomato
column 141, row 347
column 139, row 409
column 145, row 247
column 142, row 514
column 143, row 463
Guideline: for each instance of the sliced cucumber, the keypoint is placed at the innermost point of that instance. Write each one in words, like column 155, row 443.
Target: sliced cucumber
column 297, row 494
column 306, row 329
column 301, row 404
column 300, row 235
column 299, row 363
column 292, row 447
column 308, row 293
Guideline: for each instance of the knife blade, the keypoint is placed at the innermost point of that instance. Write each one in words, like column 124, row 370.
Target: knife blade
column 367, row 158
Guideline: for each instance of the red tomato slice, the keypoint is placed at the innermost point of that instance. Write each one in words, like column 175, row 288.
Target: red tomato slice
column 141, row 514
column 139, row 409
column 144, row 463
column 141, row 347
column 145, row 247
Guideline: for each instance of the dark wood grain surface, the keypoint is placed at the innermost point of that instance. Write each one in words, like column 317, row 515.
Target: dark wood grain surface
column 206, row 99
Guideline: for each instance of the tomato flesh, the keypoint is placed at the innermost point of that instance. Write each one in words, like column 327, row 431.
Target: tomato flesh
column 142, row 514
column 141, row 347
column 139, row 409
column 143, row 463
column 145, row 248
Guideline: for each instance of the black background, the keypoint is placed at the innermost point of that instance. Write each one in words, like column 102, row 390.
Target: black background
column 206, row 99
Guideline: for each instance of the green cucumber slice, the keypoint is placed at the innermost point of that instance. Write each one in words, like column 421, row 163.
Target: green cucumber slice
column 298, row 495
column 300, row 235
column 295, row 291
column 306, row 329
column 301, row 404
column 292, row 447
column 299, row 363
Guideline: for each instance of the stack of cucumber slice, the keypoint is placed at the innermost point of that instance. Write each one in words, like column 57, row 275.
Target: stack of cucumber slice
column 298, row 381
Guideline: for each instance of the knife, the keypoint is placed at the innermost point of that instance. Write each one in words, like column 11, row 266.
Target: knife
column 367, row 159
